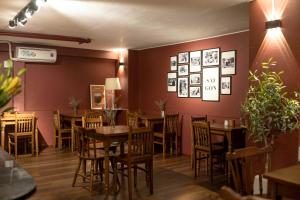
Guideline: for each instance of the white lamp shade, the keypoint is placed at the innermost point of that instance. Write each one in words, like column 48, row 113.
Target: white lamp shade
column 112, row 84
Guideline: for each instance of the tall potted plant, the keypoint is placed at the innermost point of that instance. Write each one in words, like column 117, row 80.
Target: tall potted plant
column 268, row 108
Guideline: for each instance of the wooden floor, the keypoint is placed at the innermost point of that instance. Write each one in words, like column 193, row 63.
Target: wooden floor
column 53, row 172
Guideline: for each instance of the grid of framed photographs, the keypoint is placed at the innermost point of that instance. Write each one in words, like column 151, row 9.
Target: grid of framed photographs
column 202, row 74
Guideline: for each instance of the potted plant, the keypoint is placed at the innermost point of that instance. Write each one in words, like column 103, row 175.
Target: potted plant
column 162, row 106
column 10, row 85
column 268, row 108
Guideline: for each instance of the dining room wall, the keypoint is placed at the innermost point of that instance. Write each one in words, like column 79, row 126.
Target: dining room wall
column 283, row 45
column 47, row 87
column 152, row 65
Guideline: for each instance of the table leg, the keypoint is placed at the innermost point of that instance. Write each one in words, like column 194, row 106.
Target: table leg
column 3, row 136
column 106, row 145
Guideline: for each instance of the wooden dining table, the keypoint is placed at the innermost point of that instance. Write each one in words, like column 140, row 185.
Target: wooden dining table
column 284, row 182
column 108, row 135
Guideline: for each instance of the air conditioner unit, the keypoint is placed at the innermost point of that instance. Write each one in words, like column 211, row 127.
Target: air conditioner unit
column 32, row 54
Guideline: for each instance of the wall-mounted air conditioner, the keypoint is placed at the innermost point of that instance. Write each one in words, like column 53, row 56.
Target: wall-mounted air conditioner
column 32, row 54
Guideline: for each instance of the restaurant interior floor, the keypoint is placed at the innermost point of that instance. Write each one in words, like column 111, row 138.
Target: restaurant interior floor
column 53, row 172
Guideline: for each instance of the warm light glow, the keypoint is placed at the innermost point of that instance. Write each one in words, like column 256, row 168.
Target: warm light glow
column 273, row 9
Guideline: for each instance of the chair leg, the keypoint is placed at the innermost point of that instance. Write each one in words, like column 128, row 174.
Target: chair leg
column 76, row 172
column 16, row 147
column 164, row 148
column 59, row 141
column 211, row 168
column 92, row 176
column 195, row 164
column 9, row 146
column 54, row 141
column 129, row 182
column 32, row 144
column 151, row 175
column 134, row 175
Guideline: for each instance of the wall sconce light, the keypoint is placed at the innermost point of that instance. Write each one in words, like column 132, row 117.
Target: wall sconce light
column 273, row 24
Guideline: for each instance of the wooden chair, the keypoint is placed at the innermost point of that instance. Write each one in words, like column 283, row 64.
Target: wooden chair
column 62, row 131
column 203, row 146
column 228, row 194
column 132, row 119
column 240, row 164
column 140, row 151
column 171, row 134
column 195, row 119
column 25, row 127
column 88, row 152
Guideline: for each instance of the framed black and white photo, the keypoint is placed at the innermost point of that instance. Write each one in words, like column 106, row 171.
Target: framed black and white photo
column 226, row 85
column 183, row 57
column 195, row 79
column 211, row 84
column 195, row 61
column 195, row 92
column 228, row 62
column 173, row 63
column 183, row 87
column 183, row 70
column 172, row 82
column 211, row 57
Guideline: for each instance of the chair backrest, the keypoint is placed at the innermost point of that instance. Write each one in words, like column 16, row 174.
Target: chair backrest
column 132, row 119
column 87, row 142
column 60, row 120
column 201, row 135
column 198, row 118
column 92, row 120
column 240, row 163
column 25, row 123
column 140, row 142
column 56, row 119
column 171, row 124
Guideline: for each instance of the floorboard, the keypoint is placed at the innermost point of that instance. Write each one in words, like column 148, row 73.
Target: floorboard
column 53, row 172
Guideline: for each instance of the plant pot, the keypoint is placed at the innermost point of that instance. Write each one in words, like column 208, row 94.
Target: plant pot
column 162, row 113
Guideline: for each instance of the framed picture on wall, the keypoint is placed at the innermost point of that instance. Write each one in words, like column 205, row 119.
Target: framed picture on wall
column 211, row 57
column 195, row 92
column 195, row 61
column 211, row 84
column 195, row 79
column 173, row 63
column 183, row 70
column 183, row 87
column 172, row 82
column 183, row 57
column 226, row 85
column 97, row 96
column 228, row 63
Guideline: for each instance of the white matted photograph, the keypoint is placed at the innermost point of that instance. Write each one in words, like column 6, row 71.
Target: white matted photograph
column 211, row 84
column 183, row 87
column 195, row 61
column 195, row 92
column 211, row 57
column 172, row 82
column 183, row 57
column 228, row 63
column 173, row 63
column 226, row 85
column 183, row 70
column 195, row 79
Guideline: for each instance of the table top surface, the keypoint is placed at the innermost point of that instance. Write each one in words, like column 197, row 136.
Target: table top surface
column 220, row 126
column 112, row 131
column 15, row 182
column 289, row 175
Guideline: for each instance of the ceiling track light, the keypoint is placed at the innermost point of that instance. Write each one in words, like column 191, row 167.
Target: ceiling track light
column 27, row 12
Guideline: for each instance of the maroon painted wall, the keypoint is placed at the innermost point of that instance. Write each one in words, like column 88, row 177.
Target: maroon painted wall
column 48, row 87
column 284, row 46
column 152, row 68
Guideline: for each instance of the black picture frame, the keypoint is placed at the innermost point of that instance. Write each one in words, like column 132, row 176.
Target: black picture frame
column 211, row 84
column 195, row 79
column 226, row 85
column 195, row 61
column 172, row 82
column 192, row 90
column 228, row 62
column 183, row 70
column 211, row 57
column 183, row 58
column 173, row 63
column 183, row 87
